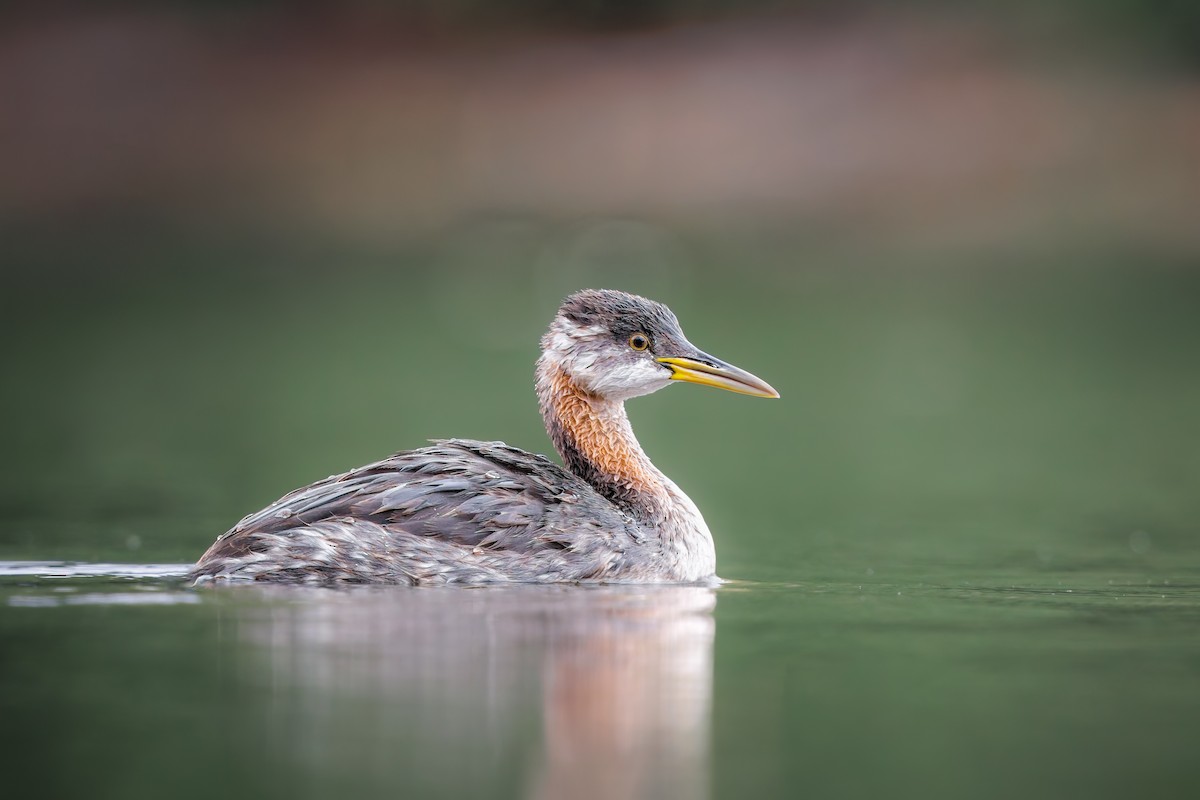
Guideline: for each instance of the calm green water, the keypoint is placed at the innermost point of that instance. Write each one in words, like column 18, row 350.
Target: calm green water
column 962, row 551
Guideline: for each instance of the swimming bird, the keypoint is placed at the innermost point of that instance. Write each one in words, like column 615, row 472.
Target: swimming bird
column 471, row 513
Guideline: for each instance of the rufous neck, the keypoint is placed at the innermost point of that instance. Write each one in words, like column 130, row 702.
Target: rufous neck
column 596, row 442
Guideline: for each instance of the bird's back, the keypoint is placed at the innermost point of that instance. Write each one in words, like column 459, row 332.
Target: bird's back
column 457, row 512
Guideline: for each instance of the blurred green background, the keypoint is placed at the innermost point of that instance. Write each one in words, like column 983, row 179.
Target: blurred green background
column 1026, row 408
column 247, row 245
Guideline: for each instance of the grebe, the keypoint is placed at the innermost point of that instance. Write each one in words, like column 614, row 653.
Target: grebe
column 468, row 513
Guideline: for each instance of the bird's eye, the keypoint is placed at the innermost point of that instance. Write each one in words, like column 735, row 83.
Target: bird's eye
column 639, row 341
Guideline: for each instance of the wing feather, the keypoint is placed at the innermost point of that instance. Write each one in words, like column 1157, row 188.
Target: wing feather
column 431, row 512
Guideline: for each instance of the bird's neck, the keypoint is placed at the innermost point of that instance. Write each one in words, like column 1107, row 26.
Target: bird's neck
column 596, row 442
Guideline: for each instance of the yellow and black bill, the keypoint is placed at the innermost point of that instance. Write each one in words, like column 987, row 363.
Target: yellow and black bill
column 707, row 370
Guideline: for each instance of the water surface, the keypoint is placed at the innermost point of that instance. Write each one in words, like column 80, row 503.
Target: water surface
column 833, row 688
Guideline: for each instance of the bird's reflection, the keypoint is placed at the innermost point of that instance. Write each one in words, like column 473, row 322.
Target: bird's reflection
column 560, row 691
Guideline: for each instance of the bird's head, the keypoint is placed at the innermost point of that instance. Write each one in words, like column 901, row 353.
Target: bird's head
column 619, row 345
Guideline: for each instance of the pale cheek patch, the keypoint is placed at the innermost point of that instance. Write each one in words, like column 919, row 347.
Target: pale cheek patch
column 598, row 365
column 569, row 345
column 628, row 380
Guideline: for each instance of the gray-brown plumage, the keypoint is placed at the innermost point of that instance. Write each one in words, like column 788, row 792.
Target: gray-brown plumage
column 467, row 512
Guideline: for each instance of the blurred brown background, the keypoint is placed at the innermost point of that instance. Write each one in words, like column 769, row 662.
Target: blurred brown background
column 939, row 121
